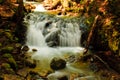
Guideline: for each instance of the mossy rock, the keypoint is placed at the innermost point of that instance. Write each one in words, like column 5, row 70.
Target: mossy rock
column 7, row 49
column 9, row 35
column 6, row 68
column 7, row 55
column 10, row 60
column 57, row 63
column 5, row 65
column 12, row 63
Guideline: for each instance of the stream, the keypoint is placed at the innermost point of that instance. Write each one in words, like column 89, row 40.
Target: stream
column 52, row 36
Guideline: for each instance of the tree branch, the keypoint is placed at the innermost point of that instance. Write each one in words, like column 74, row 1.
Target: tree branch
column 91, row 34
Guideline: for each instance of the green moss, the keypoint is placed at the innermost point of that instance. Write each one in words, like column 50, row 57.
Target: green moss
column 7, row 68
column 12, row 63
column 7, row 55
column 89, row 21
column 9, row 35
column 7, row 49
column 5, row 65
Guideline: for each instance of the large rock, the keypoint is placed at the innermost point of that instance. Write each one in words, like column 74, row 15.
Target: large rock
column 57, row 63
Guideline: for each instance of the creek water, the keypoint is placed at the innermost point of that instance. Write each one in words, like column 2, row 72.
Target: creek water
column 54, row 36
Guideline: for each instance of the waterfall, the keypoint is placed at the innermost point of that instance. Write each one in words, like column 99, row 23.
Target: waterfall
column 70, row 35
column 35, row 37
column 48, row 31
column 52, row 37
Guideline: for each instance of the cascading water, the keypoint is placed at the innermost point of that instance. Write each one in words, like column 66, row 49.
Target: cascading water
column 70, row 35
column 53, row 37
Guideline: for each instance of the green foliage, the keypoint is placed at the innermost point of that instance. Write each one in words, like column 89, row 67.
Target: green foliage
column 111, row 35
column 89, row 21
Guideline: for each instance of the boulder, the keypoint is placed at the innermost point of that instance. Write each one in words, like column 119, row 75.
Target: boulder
column 57, row 63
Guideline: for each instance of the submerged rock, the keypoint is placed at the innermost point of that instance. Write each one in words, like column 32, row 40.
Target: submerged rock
column 58, row 76
column 57, row 63
column 86, row 78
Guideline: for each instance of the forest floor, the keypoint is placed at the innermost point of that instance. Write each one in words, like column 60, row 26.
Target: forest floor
column 12, row 66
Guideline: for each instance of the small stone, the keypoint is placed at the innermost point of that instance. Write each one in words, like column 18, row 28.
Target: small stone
column 25, row 48
column 57, row 63
column 34, row 50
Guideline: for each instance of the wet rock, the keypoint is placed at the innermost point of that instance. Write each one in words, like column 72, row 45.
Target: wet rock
column 57, row 63
column 6, row 68
column 30, row 63
column 34, row 50
column 58, row 76
column 25, row 48
column 12, row 63
column 86, row 78
column 94, row 67
column 23, row 72
column 9, row 58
